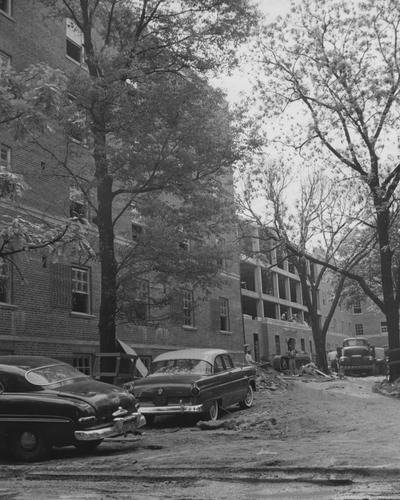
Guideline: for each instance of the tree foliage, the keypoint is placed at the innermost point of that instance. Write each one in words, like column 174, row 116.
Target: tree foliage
column 335, row 64
column 317, row 233
column 151, row 127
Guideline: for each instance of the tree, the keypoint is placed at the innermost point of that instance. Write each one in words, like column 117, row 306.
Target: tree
column 149, row 124
column 27, row 98
column 318, row 234
column 335, row 64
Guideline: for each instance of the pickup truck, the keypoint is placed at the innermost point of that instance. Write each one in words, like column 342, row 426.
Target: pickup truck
column 356, row 357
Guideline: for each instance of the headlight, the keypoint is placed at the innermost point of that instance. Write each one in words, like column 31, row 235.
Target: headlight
column 129, row 386
column 195, row 389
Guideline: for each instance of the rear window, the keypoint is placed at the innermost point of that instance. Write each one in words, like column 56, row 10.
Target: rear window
column 52, row 374
column 175, row 366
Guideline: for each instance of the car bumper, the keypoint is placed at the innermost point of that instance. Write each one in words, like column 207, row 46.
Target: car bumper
column 171, row 409
column 359, row 368
column 120, row 426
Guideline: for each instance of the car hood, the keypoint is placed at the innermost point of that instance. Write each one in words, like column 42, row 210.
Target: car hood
column 105, row 398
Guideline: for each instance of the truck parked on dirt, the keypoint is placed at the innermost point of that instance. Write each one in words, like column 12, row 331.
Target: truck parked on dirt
column 356, row 357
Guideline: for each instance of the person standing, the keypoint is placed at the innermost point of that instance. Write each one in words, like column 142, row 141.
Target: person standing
column 292, row 356
column 247, row 355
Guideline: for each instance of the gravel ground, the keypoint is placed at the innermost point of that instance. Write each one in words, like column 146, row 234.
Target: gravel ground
column 303, row 435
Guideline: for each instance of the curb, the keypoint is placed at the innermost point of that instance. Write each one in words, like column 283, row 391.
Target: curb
column 341, row 475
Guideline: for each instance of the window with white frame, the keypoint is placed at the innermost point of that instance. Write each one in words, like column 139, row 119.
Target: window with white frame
column 83, row 363
column 80, row 290
column 5, row 157
column 224, row 314
column 6, row 6
column 384, row 328
column 357, row 307
column 5, row 60
column 77, row 204
column 359, row 329
column 188, row 308
column 140, row 306
column 137, row 231
column 5, row 282
column 74, row 47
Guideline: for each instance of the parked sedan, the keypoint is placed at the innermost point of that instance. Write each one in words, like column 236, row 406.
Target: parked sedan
column 194, row 381
column 44, row 403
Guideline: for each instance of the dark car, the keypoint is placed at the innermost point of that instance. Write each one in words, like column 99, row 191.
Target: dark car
column 44, row 403
column 356, row 357
column 194, row 381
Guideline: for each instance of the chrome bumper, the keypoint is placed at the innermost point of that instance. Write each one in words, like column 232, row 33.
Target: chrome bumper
column 171, row 409
column 123, row 425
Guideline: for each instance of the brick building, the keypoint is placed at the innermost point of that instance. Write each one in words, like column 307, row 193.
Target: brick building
column 51, row 306
column 272, row 303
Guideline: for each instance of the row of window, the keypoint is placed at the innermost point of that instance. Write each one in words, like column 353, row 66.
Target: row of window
column 81, row 297
column 278, row 349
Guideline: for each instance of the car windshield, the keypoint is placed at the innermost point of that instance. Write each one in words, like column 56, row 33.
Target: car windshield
column 355, row 342
column 52, row 374
column 174, row 366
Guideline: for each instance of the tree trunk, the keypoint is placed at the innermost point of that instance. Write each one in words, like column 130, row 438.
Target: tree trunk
column 391, row 308
column 320, row 342
column 104, row 221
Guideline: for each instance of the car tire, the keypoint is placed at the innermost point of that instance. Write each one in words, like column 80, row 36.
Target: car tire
column 87, row 446
column 248, row 400
column 150, row 419
column 213, row 411
column 28, row 445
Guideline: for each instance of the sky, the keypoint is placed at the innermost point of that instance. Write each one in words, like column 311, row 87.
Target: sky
column 239, row 82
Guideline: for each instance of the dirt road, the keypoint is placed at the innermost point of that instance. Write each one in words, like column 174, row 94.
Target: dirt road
column 316, row 439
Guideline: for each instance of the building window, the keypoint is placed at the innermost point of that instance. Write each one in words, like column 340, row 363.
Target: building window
column 359, row 329
column 5, row 60
column 221, row 261
column 74, row 47
column 311, row 347
column 140, row 309
column 357, row 307
column 303, row 345
column 6, row 6
column 277, row 345
column 5, row 157
column 5, row 282
column 224, row 314
column 384, row 328
column 80, row 290
column 83, row 363
column 188, row 308
column 137, row 231
column 77, row 205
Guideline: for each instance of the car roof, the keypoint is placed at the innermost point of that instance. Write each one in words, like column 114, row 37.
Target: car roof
column 195, row 353
column 27, row 362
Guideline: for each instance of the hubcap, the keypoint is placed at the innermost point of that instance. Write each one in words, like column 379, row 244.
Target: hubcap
column 28, row 440
column 249, row 397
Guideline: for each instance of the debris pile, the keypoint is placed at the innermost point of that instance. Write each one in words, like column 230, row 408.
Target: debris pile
column 269, row 379
column 259, row 421
column 387, row 388
column 310, row 370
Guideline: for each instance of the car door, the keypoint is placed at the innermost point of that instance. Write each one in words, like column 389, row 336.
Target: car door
column 238, row 380
column 216, row 387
